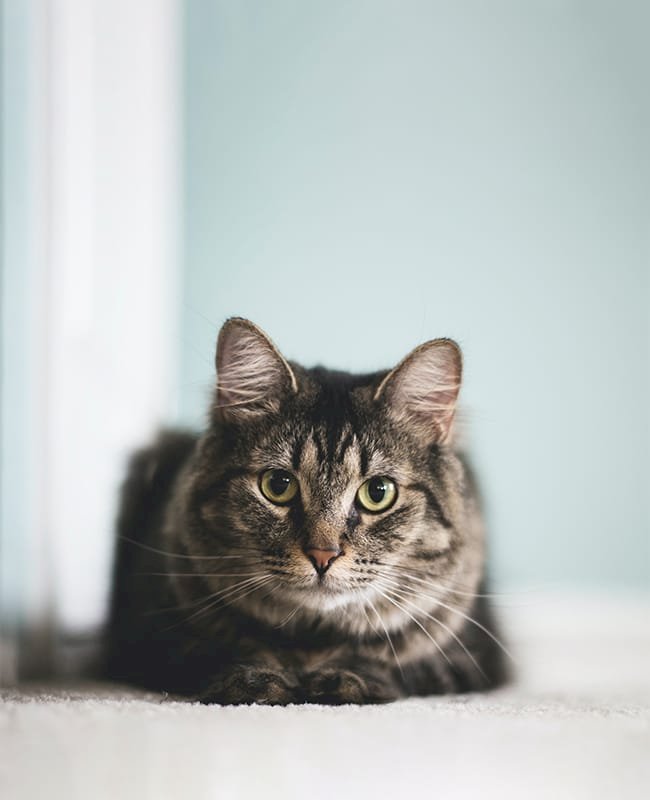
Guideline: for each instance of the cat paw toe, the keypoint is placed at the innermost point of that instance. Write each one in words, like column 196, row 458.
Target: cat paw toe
column 248, row 684
column 338, row 687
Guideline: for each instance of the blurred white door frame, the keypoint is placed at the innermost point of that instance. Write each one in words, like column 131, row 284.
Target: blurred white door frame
column 103, row 216
column 25, row 580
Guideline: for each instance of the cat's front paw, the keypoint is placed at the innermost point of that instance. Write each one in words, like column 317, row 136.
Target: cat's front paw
column 340, row 686
column 246, row 684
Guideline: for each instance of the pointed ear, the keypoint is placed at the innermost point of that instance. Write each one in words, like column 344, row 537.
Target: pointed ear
column 252, row 375
column 423, row 388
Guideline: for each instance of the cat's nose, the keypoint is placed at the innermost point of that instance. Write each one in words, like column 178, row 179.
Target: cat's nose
column 321, row 559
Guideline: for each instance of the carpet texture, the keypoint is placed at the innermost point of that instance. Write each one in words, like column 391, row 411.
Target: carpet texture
column 575, row 724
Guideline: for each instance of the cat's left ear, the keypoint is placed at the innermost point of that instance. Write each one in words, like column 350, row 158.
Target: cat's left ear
column 423, row 389
column 252, row 375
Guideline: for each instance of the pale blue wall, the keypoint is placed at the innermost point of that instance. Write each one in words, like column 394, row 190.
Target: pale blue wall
column 362, row 176
column 19, row 272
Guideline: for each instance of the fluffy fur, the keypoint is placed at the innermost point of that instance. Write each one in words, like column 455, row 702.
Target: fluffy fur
column 215, row 594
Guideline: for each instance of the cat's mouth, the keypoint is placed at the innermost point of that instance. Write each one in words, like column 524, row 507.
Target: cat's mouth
column 325, row 583
column 324, row 593
column 328, row 587
column 328, row 582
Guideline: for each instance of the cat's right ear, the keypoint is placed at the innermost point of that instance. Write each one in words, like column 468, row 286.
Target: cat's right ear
column 252, row 375
column 423, row 389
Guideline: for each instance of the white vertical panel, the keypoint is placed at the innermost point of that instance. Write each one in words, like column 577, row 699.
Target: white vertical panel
column 111, row 342
column 25, row 564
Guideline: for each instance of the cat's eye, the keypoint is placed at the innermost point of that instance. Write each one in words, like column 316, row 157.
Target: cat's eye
column 278, row 486
column 377, row 494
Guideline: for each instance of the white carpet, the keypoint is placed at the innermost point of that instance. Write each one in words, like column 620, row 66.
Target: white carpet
column 575, row 725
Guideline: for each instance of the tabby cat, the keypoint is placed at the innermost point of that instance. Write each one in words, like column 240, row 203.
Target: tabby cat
column 320, row 542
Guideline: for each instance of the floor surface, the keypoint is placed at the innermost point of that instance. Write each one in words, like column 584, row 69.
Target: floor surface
column 576, row 724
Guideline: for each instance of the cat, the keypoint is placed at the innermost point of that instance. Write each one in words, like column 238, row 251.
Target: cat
column 321, row 541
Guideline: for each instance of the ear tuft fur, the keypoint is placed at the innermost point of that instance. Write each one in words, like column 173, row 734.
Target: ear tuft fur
column 423, row 388
column 252, row 375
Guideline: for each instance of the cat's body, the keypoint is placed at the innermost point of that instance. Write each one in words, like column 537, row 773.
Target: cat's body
column 320, row 542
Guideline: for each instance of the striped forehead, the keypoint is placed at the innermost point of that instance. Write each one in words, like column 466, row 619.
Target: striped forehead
column 322, row 457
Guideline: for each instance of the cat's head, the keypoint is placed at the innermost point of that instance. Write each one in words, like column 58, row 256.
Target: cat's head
column 325, row 488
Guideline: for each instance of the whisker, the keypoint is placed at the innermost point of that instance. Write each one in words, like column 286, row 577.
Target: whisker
column 227, row 599
column 289, row 616
column 362, row 604
column 220, row 595
column 442, row 624
column 240, row 594
column 183, row 607
column 390, row 641
column 193, row 604
column 235, row 588
column 272, row 590
column 173, row 555
column 198, row 574
column 470, row 619
column 441, row 586
column 417, row 622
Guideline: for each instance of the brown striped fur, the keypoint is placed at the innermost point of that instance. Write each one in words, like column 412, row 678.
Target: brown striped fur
column 214, row 596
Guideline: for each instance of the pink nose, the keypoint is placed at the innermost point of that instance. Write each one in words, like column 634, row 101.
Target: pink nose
column 321, row 559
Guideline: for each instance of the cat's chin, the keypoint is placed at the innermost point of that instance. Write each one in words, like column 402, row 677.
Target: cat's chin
column 324, row 595
column 325, row 602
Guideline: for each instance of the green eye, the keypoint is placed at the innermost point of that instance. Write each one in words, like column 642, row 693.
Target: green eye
column 377, row 494
column 278, row 486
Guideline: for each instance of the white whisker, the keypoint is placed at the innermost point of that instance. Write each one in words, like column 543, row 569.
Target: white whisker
column 289, row 616
column 438, row 622
column 224, row 593
column 390, row 641
column 455, row 610
column 417, row 622
column 199, row 574
column 174, row 555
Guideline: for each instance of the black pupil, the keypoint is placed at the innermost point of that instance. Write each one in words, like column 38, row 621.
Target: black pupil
column 279, row 482
column 376, row 489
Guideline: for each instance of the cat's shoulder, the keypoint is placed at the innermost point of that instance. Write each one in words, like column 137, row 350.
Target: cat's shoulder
column 160, row 461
